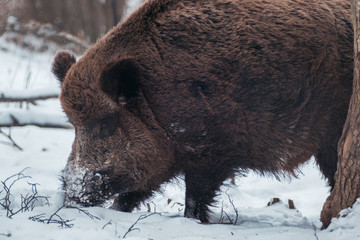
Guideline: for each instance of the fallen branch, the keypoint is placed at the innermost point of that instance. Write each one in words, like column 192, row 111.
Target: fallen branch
column 57, row 219
column 16, row 118
column 63, row 223
column 27, row 96
column 73, row 39
column 31, row 100
column 12, row 143
column 47, row 125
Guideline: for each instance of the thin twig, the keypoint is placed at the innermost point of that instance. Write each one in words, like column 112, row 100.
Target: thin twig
column 235, row 209
column 41, row 218
column 13, row 143
column 86, row 212
column 231, row 221
column 180, row 204
column 54, row 214
column 108, row 223
column 6, row 235
column 315, row 232
column 221, row 218
column 5, row 202
column 63, row 223
column 142, row 217
column 27, row 202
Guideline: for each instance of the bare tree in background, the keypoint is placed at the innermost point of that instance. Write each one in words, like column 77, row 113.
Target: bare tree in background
column 347, row 178
column 47, row 26
column 86, row 19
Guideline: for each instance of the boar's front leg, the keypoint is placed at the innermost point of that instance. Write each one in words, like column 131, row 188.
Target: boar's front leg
column 127, row 202
column 201, row 189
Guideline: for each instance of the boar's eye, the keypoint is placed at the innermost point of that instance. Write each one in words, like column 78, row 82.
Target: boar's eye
column 107, row 128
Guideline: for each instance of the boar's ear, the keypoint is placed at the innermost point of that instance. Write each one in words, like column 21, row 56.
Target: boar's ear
column 119, row 80
column 61, row 65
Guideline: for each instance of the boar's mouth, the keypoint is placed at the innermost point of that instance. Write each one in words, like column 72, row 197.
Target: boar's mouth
column 86, row 188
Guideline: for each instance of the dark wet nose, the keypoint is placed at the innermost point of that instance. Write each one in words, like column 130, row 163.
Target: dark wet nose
column 97, row 179
column 96, row 183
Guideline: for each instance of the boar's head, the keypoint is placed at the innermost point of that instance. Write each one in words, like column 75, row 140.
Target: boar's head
column 114, row 152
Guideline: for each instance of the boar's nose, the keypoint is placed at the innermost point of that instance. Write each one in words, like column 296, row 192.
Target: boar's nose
column 90, row 189
column 97, row 179
column 97, row 183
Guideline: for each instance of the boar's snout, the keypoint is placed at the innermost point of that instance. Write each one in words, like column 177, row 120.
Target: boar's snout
column 87, row 188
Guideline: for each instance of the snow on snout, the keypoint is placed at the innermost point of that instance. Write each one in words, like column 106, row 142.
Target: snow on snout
column 83, row 186
column 74, row 183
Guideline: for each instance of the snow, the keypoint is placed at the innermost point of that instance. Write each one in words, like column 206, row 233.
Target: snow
column 45, row 152
column 37, row 93
column 132, row 5
column 23, row 69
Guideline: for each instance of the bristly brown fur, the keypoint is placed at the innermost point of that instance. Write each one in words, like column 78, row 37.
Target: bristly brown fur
column 62, row 63
column 206, row 88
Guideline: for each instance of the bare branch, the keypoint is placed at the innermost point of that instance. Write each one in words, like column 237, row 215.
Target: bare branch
column 5, row 235
column 223, row 213
column 57, row 219
column 54, row 214
column 27, row 202
column 221, row 218
column 47, row 125
column 142, row 217
column 15, row 122
column 315, row 233
column 12, row 143
column 235, row 209
column 41, row 218
column 108, row 223
column 31, row 100
column 86, row 212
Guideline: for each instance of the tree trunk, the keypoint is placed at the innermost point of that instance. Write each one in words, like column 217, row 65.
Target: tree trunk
column 347, row 177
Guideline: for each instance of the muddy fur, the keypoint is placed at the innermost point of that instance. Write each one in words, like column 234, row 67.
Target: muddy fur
column 206, row 88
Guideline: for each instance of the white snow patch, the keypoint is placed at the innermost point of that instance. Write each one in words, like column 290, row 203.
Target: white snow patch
column 132, row 5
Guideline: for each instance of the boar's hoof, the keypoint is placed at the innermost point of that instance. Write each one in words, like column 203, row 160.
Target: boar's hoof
column 196, row 210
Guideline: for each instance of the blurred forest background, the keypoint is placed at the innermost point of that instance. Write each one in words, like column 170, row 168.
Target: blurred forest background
column 87, row 20
column 31, row 31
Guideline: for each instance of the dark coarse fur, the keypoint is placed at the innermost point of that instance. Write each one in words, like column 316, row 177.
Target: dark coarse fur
column 206, row 88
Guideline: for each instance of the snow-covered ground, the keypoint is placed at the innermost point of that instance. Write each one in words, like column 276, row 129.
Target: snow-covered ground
column 45, row 153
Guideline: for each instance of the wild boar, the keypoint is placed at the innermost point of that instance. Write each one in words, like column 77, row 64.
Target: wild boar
column 205, row 89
